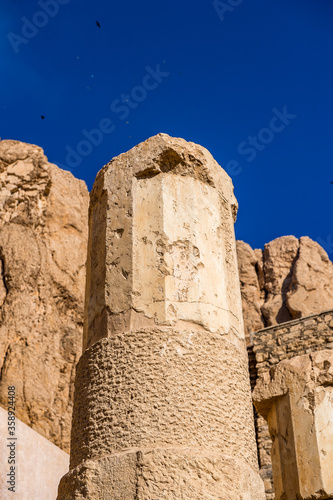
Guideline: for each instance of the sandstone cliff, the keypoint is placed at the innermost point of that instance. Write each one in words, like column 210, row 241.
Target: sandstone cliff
column 289, row 279
column 43, row 238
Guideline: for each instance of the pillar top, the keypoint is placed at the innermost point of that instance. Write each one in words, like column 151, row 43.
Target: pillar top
column 161, row 248
column 162, row 153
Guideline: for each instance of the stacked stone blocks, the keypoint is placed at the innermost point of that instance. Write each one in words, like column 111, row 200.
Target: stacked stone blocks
column 294, row 360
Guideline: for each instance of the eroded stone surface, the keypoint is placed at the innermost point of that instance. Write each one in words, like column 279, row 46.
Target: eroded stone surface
column 278, row 343
column 251, row 277
column 43, row 238
column 164, row 387
column 156, row 268
column 169, row 473
column 290, row 279
column 296, row 399
column 164, row 376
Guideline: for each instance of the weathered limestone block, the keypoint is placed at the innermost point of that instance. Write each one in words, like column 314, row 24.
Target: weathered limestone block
column 43, row 245
column 296, row 399
column 162, row 393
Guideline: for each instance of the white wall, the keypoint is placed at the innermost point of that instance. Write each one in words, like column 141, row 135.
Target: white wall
column 39, row 464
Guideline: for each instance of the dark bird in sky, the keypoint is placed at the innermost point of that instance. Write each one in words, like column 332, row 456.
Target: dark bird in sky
column 42, row 117
column 332, row 182
column 98, row 24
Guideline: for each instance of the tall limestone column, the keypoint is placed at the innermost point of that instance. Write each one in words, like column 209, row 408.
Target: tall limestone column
column 162, row 398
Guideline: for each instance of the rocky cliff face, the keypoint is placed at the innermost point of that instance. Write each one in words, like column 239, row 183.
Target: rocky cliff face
column 43, row 238
column 289, row 279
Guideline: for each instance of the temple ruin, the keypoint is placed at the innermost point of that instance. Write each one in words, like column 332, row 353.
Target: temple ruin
column 162, row 405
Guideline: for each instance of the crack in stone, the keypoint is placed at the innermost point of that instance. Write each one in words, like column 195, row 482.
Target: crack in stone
column 7, row 354
column 4, row 292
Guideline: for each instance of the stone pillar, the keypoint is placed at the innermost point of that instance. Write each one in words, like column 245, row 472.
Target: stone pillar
column 162, row 396
column 296, row 399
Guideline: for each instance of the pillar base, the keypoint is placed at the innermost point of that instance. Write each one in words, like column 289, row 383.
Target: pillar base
column 154, row 474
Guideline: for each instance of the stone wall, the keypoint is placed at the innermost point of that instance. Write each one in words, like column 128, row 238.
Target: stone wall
column 277, row 343
column 294, row 338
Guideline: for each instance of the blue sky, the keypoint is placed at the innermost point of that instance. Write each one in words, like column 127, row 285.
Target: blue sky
column 215, row 73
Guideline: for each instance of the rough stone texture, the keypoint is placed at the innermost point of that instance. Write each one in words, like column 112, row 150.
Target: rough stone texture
column 39, row 464
column 252, row 283
column 188, row 391
column 162, row 397
column 264, row 442
column 169, row 473
column 146, row 259
column 189, row 394
column 290, row 279
column 277, row 344
column 274, row 344
column 296, row 399
column 43, row 238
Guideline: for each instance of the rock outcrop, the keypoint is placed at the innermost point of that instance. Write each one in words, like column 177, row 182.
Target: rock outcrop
column 251, row 277
column 288, row 280
column 43, row 239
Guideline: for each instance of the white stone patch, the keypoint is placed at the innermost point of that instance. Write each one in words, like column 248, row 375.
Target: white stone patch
column 324, row 431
